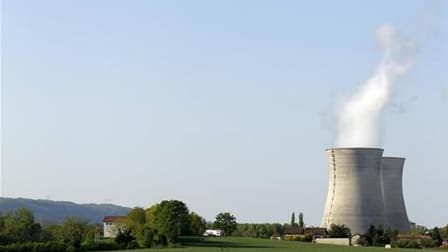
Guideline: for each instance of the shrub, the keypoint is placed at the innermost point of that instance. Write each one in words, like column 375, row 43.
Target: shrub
column 132, row 245
column 102, row 245
column 51, row 246
column 406, row 244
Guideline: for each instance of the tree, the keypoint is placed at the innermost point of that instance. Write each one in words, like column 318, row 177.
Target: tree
column 435, row 235
column 293, row 219
column 197, row 224
column 226, row 222
column 145, row 237
column 124, row 238
column 377, row 236
column 171, row 219
column 149, row 215
column 340, row 231
column 135, row 220
column 444, row 232
column 19, row 226
column 73, row 232
column 301, row 223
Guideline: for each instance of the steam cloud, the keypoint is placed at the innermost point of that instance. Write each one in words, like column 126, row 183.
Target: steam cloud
column 360, row 117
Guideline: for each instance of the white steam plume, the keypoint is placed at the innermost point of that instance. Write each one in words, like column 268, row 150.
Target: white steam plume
column 360, row 117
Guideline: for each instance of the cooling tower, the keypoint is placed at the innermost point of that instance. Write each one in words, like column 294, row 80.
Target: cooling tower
column 354, row 192
column 392, row 189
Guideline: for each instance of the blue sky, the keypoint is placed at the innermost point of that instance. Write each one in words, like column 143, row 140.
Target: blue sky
column 226, row 105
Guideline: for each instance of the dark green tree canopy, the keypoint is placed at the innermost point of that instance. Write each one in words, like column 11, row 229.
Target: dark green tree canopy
column 226, row 222
column 197, row 224
column 171, row 219
column 340, row 231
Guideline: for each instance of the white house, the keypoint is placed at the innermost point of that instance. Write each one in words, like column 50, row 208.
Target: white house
column 112, row 224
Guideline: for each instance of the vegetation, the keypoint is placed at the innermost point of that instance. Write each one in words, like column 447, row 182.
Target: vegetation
column 293, row 219
column 265, row 230
column 167, row 223
column 301, row 223
column 171, row 219
column 378, row 237
column 197, row 224
column 226, row 222
column 339, row 231
column 157, row 226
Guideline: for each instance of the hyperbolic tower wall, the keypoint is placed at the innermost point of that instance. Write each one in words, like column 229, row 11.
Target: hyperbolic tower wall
column 392, row 189
column 354, row 192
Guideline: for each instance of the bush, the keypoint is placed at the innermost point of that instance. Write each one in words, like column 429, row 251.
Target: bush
column 307, row 237
column 103, row 245
column 51, row 246
column 145, row 237
column 406, row 244
column 414, row 244
column 132, row 245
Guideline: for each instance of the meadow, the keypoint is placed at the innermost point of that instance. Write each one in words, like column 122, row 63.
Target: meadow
column 236, row 244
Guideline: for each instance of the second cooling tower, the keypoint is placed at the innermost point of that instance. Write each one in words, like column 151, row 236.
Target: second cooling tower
column 354, row 193
column 394, row 206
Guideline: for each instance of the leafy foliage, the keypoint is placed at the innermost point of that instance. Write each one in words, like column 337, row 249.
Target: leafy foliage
column 171, row 219
column 265, row 230
column 19, row 226
column 226, row 222
column 197, row 224
column 339, row 231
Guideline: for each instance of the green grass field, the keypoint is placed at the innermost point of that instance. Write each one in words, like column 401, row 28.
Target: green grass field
column 236, row 244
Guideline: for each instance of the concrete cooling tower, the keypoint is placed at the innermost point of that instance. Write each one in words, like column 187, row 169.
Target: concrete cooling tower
column 354, row 193
column 392, row 189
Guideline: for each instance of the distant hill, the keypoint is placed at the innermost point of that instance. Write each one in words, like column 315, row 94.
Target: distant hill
column 49, row 211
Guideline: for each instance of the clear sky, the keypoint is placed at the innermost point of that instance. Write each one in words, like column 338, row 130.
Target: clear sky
column 226, row 105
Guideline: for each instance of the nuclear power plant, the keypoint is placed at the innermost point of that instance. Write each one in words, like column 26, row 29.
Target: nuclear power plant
column 364, row 189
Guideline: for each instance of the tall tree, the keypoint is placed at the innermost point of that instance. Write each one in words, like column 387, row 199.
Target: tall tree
column 226, row 222
column 435, row 235
column 293, row 219
column 301, row 223
column 171, row 219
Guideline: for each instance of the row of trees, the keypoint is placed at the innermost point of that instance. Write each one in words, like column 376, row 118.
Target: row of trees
column 427, row 238
column 293, row 220
column 264, row 230
column 157, row 226
column 20, row 229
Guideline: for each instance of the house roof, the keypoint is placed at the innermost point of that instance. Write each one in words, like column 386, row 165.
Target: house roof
column 316, row 230
column 293, row 231
column 412, row 237
column 114, row 219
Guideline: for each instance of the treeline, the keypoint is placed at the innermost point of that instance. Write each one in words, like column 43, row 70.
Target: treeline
column 20, row 232
column 158, row 226
column 263, row 230
column 417, row 239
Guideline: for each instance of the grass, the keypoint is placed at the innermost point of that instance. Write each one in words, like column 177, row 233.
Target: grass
column 239, row 244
